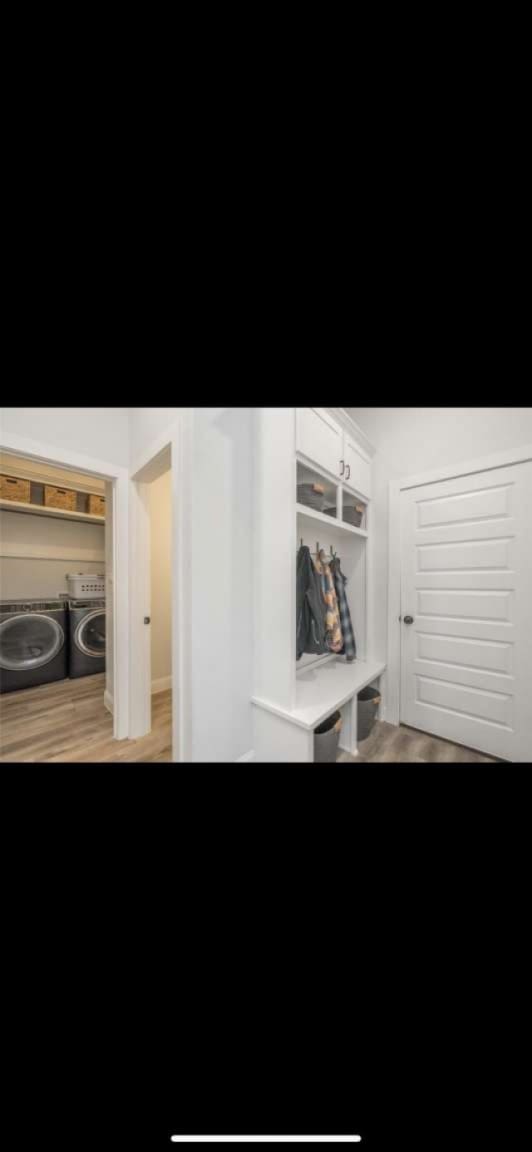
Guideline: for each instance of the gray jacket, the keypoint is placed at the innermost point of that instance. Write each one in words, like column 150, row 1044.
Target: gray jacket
column 310, row 608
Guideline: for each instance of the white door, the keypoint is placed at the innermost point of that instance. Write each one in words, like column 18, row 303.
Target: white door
column 466, row 580
column 320, row 439
column 357, row 470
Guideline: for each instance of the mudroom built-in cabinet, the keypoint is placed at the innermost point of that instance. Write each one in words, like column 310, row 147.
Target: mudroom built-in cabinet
column 302, row 450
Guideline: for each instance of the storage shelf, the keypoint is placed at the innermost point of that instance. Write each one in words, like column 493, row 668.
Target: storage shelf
column 60, row 513
column 331, row 521
column 321, row 690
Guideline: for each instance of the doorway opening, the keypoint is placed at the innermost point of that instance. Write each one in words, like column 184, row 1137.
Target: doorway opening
column 153, row 485
column 57, row 648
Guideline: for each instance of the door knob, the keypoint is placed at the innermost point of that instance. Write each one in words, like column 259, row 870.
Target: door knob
column 408, row 619
column 147, row 619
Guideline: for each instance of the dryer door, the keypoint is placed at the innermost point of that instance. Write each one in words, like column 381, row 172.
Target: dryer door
column 29, row 641
column 90, row 633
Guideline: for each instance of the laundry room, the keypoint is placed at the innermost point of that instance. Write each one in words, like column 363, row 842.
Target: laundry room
column 52, row 583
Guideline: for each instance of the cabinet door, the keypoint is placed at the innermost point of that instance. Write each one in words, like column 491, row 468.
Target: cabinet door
column 320, row 438
column 357, row 469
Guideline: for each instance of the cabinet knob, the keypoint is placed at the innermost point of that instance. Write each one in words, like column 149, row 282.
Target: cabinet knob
column 408, row 619
column 147, row 619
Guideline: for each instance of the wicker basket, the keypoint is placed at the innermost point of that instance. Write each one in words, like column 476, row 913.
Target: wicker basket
column 312, row 495
column 59, row 498
column 96, row 505
column 354, row 515
column 12, row 488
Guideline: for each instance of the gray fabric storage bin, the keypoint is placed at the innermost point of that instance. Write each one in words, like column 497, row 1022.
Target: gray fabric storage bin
column 367, row 708
column 307, row 495
column 326, row 737
column 353, row 515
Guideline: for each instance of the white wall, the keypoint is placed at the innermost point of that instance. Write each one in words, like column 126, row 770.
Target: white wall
column 222, row 583
column 36, row 552
column 146, row 425
column 412, row 440
column 99, row 432
column 212, row 476
column 160, row 495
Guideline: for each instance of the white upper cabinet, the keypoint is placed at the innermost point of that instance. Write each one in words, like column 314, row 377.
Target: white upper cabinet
column 320, row 438
column 323, row 441
column 357, row 469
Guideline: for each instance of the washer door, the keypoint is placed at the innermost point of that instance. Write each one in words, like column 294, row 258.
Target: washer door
column 90, row 634
column 29, row 641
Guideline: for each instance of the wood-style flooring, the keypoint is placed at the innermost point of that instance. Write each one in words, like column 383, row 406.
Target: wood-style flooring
column 388, row 744
column 68, row 721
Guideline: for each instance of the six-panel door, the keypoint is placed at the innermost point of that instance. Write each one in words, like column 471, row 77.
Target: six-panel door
column 466, row 660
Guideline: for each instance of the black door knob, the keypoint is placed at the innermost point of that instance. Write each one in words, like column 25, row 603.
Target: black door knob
column 147, row 619
column 408, row 619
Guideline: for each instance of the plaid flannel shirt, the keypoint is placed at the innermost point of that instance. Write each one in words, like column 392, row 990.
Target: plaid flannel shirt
column 340, row 581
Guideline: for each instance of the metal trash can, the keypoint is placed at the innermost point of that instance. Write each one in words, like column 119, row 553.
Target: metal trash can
column 367, row 708
column 326, row 737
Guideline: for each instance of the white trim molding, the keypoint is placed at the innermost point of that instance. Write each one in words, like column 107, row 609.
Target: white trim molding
column 342, row 417
column 396, row 487
column 176, row 440
column 108, row 701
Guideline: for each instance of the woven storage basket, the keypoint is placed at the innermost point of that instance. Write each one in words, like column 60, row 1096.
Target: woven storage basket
column 59, row 498
column 354, row 515
column 12, row 488
column 96, row 505
column 312, row 495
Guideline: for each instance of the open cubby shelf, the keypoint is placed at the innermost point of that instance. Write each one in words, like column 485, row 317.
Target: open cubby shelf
column 41, row 510
column 330, row 521
column 336, row 497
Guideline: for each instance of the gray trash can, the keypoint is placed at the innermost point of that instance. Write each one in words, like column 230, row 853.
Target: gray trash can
column 326, row 737
column 368, row 706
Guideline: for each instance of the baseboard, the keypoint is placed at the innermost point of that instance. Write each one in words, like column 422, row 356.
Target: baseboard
column 342, row 748
column 161, row 685
column 108, row 701
column 247, row 758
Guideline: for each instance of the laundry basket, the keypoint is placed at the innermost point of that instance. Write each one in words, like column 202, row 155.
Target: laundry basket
column 367, row 708
column 326, row 737
column 85, row 586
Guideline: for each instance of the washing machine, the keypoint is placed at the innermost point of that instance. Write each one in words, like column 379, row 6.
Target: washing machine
column 86, row 645
column 33, row 643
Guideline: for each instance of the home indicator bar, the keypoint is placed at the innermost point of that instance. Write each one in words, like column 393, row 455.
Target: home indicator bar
column 266, row 1139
